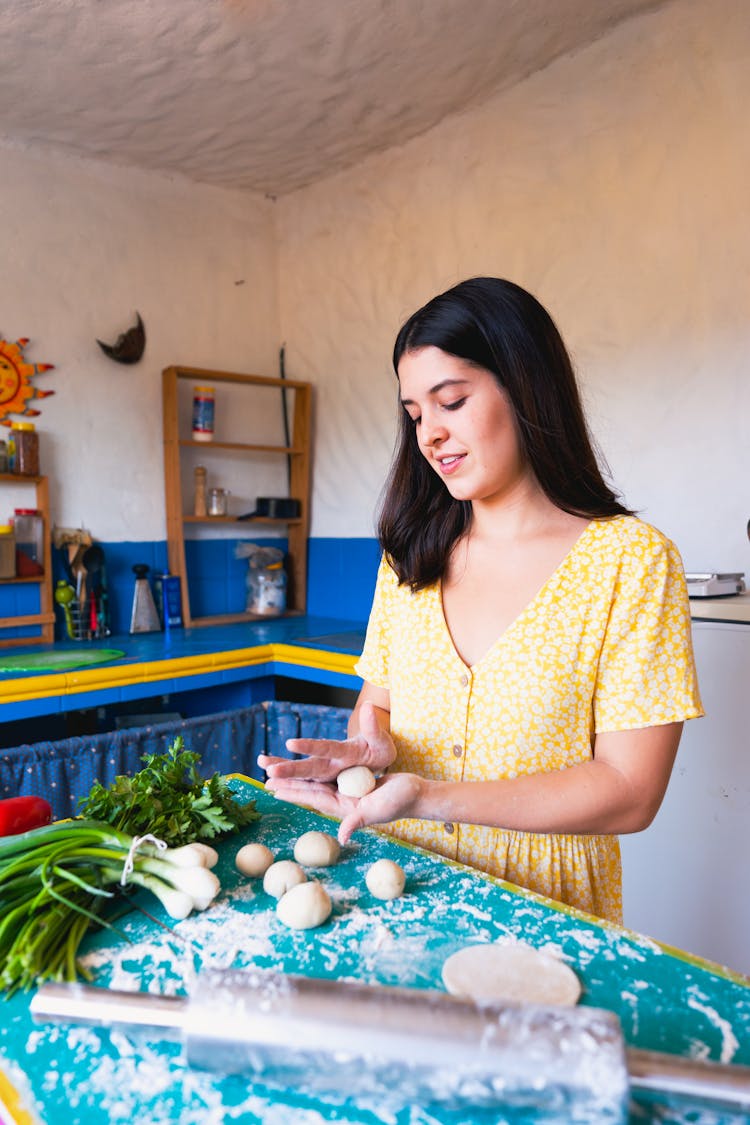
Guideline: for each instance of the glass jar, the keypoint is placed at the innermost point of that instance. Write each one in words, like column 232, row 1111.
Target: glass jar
column 28, row 526
column 23, row 449
column 266, row 590
column 217, row 501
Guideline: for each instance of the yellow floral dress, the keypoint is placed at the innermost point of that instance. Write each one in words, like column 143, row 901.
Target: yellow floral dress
column 605, row 645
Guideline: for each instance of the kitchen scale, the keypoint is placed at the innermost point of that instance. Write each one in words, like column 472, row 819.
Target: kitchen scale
column 714, row 585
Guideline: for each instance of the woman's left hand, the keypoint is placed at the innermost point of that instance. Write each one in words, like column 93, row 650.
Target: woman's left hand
column 393, row 797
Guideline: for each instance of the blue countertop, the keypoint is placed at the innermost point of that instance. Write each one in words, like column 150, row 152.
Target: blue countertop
column 321, row 649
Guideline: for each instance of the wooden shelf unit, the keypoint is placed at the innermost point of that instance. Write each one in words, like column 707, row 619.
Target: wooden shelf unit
column 298, row 454
column 45, row 619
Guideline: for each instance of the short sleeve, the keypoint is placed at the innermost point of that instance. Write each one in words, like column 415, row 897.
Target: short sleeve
column 374, row 664
column 646, row 674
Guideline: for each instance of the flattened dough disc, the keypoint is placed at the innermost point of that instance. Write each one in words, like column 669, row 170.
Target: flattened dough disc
column 516, row 973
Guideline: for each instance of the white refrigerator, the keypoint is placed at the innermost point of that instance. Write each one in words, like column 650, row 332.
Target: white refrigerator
column 686, row 879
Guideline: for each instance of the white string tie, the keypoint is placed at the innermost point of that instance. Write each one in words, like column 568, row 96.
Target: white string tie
column 135, row 845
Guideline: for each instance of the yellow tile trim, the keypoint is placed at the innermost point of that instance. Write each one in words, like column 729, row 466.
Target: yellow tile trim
column 122, row 675
column 321, row 659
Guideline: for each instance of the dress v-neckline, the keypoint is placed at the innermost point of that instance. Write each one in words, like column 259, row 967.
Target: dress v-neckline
column 551, row 580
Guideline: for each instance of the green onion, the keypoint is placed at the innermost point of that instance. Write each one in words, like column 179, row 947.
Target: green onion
column 57, row 880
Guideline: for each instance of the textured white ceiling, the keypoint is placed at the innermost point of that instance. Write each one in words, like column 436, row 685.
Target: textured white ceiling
column 267, row 95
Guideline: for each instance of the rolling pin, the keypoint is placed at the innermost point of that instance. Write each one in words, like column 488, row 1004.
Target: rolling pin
column 406, row 1045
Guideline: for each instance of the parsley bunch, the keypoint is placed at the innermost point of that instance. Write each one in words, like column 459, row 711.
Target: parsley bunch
column 170, row 799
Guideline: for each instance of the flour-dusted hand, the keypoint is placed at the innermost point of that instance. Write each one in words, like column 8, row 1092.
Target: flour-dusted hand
column 395, row 796
column 325, row 758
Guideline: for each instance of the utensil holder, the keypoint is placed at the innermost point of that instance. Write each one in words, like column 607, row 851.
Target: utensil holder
column 77, row 622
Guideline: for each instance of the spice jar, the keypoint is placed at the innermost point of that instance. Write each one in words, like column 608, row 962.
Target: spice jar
column 23, row 451
column 203, row 414
column 217, row 501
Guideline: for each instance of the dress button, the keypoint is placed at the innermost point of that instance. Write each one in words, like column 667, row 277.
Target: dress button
column 457, row 751
column 464, row 680
column 449, row 828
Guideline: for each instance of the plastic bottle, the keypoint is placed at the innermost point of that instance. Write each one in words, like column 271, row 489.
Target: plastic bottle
column 203, row 414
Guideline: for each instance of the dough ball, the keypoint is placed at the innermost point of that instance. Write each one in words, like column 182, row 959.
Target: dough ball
column 516, row 973
column 253, row 859
column 282, row 876
column 305, row 906
column 356, row 781
column 385, row 879
column 317, row 849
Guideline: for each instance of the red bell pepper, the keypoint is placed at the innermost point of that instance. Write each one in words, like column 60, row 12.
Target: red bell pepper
column 21, row 814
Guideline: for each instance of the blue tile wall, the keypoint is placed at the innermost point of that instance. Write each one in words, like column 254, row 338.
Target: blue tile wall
column 340, row 584
column 341, row 577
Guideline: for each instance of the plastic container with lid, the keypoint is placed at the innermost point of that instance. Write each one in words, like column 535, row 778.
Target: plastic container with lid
column 28, row 525
column 23, row 449
column 203, row 413
column 266, row 587
column 7, row 551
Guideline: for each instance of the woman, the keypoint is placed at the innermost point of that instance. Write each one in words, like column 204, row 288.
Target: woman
column 528, row 663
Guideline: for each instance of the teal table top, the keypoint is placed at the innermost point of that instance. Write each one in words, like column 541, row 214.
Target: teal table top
column 665, row 1001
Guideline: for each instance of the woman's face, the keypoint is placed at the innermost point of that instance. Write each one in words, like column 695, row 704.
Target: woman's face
column 464, row 424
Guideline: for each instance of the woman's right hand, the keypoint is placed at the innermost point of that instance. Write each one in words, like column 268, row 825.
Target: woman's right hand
column 325, row 758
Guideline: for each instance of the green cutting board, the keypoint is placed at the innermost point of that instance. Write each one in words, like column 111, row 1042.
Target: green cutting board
column 83, row 1076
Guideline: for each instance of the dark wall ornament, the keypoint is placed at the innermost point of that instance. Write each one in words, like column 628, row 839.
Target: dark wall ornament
column 129, row 346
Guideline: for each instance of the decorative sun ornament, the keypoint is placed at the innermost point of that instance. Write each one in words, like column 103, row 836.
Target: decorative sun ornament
column 15, row 380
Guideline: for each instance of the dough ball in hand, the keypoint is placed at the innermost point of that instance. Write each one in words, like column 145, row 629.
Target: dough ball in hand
column 304, row 907
column 282, row 876
column 385, row 879
column 357, row 781
column 317, row 849
column 253, row 859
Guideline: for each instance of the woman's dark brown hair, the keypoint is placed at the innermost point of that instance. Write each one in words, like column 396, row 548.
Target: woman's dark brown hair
column 496, row 325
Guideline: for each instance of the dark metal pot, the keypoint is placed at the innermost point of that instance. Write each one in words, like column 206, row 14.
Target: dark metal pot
column 274, row 508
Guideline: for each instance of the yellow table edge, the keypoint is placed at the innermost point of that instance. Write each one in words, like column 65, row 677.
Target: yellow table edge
column 11, row 1103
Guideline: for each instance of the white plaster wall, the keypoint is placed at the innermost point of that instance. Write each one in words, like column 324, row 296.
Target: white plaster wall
column 83, row 245
column 614, row 185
